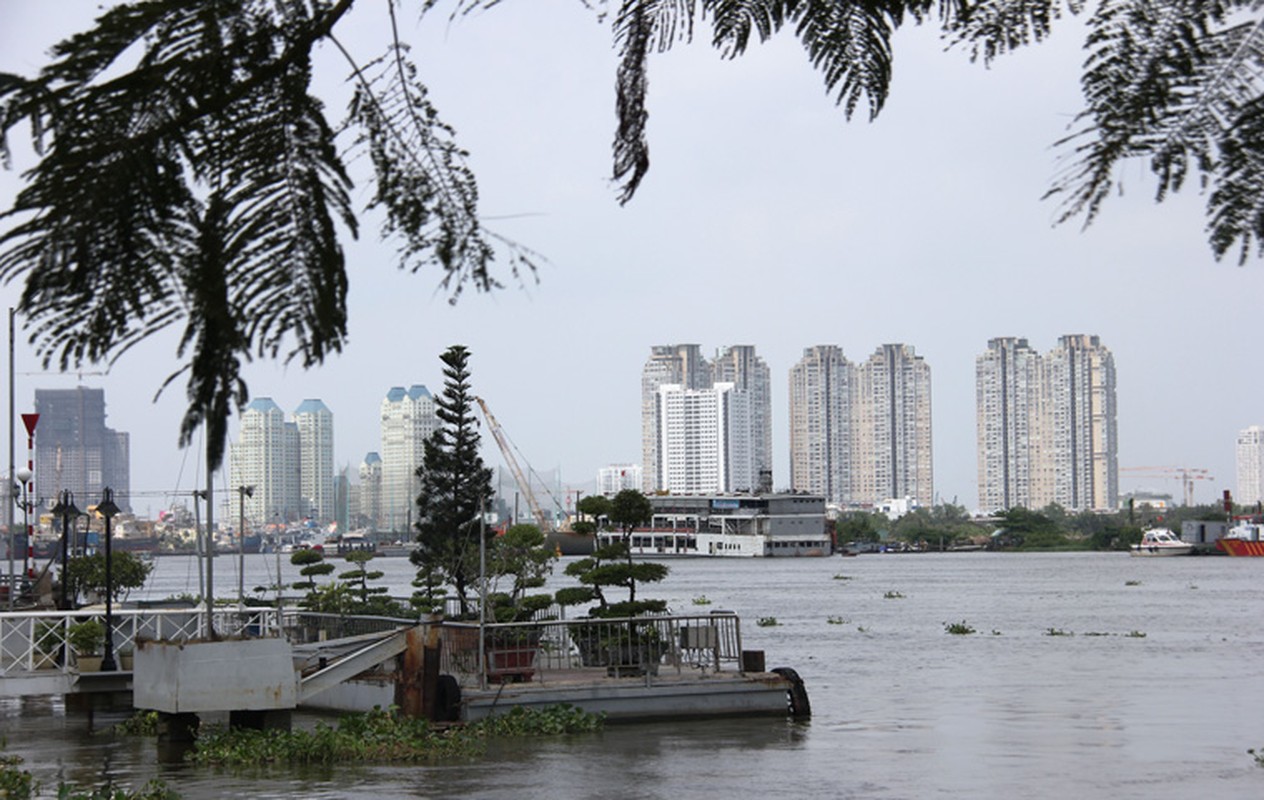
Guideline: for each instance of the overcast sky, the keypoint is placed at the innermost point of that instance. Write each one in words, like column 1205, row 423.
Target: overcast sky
column 766, row 219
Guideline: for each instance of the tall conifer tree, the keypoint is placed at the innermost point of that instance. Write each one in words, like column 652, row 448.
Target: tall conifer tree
column 455, row 488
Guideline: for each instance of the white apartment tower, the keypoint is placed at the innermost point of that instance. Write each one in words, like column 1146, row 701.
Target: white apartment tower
column 705, row 440
column 680, row 365
column 821, row 387
column 1009, row 378
column 316, row 456
column 614, row 478
column 740, row 366
column 265, row 459
column 1046, row 425
column 892, row 439
column 1250, row 457
column 408, row 419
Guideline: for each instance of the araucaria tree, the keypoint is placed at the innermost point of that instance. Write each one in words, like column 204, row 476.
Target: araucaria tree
column 455, row 489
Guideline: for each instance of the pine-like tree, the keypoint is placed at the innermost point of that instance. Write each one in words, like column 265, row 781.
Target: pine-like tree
column 455, row 489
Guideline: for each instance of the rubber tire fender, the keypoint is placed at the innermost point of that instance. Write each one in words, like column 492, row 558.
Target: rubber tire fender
column 797, row 694
column 447, row 706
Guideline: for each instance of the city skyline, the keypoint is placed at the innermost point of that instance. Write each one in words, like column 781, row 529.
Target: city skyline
column 859, row 233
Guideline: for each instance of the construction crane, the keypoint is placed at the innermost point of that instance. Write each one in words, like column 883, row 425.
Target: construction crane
column 542, row 519
column 1186, row 475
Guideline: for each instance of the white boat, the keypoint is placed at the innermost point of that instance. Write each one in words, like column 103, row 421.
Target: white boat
column 1161, row 542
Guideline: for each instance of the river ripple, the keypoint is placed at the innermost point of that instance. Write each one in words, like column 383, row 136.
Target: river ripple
column 901, row 708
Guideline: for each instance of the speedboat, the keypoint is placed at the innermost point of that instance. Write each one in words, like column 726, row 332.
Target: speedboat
column 1161, row 542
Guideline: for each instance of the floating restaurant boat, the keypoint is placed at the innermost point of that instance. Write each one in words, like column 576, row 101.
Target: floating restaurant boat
column 1161, row 542
column 1243, row 539
column 731, row 526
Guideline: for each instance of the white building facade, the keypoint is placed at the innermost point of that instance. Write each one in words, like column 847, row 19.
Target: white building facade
column 614, row 478
column 408, row 419
column 705, row 440
column 315, row 425
column 265, row 460
column 1250, row 462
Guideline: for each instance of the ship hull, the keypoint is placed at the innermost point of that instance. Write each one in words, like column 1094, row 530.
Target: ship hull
column 1241, row 547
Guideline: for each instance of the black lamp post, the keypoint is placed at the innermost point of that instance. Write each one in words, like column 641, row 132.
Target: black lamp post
column 108, row 509
column 66, row 508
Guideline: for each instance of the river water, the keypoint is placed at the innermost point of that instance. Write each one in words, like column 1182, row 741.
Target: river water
column 1089, row 676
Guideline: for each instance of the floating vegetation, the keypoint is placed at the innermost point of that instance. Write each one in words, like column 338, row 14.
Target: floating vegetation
column 841, row 577
column 383, row 737
column 1058, row 632
column 962, row 628
column 1132, row 583
column 142, row 723
column 1096, row 633
column 995, row 632
column 1257, row 755
column 1193, row 586
column 1135, row 634
column 893, row 596
column 836, row 620
column 766, row 622
column 862, row 629
column 701, row 600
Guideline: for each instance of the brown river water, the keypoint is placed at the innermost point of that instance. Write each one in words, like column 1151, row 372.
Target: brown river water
column 1089, row 676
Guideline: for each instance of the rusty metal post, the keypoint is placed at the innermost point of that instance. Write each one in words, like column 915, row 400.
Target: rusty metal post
column 408, row 689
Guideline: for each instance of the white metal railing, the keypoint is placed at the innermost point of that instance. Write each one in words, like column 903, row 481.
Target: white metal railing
column 637, row 646
column 37, row 640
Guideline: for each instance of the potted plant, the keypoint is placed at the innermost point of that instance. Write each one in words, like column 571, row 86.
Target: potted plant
column 87, row 639
column 522, row 556
column 630, row 646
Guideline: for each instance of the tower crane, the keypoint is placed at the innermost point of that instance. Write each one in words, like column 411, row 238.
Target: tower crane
column 542, row 519
column 1186, row 475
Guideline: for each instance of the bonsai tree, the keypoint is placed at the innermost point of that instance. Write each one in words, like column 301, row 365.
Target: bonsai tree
column 87, row 575
column 611, row 566
column 313, row 565
column 366, row 599
column 596, row 506
column 522, row 556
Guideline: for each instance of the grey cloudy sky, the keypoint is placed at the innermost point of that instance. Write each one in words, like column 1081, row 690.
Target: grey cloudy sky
column 766, row 219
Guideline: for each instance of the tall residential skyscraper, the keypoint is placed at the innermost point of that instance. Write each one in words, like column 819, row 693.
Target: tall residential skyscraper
column 681, row 365
column 370, row 507
column 316, row 453
column 75, row 450
column 265, row 457
column 706, row 440
column 1046, row 425
column 821, row 387
column 892, row 444
column 740, row 366
column 1250, row 453
column 1082, row 430
column 1008, row 393
column 408, row 419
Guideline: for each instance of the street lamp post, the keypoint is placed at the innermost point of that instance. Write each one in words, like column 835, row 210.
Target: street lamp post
column 24, row 477
column 108, row 509
column 243, row 492
column 66, row 508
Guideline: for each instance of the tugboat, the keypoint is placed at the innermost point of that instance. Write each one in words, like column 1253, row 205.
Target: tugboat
column 1244, row 539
